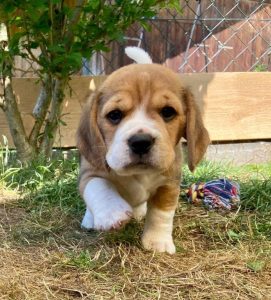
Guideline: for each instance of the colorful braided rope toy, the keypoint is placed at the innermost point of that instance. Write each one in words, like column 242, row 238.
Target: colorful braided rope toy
column 220, row 194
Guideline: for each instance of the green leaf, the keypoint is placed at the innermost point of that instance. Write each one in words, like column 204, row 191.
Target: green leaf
column 175, row 4
column 61, row 122
column 94, row 4
column 146, row 26
column 256, row 265
column 56, row 48
column 33, row 44
column 233, row 235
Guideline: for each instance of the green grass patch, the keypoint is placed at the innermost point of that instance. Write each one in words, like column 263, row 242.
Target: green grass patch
column 50, row 185
column 50, row 197
column 254, row 217
column 83, row 260
column 254, row 181
column 129, row 235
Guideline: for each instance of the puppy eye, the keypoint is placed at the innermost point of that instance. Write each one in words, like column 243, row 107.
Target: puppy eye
column 115, row 116
column 168, row 113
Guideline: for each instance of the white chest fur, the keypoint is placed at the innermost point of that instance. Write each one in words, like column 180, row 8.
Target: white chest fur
column 137, row 189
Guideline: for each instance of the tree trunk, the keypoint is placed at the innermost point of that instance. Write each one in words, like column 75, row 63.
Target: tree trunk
column 25, row 151
column 53, row 120
column 41, row 109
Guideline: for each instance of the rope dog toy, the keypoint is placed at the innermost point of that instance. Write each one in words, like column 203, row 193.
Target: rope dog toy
column 220, row 194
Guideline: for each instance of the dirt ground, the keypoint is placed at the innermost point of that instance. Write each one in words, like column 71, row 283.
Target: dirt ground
column 48, row 256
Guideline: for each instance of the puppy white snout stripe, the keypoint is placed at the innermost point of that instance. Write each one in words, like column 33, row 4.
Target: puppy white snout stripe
column 118, row 155
column 138, row 123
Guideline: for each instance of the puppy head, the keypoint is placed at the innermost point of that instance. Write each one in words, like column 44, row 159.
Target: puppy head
column 136, row 119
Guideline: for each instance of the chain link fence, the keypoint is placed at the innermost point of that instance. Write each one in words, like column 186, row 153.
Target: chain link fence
column 208, row 36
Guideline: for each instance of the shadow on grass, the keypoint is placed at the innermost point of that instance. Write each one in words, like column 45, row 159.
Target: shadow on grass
column 52, row 212
column 53, row 208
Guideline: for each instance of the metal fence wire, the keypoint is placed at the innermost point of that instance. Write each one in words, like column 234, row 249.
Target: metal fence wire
column 208, row 36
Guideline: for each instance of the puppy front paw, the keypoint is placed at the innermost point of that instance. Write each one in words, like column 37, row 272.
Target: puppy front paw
column 88, row 221
column 158, row 243
column 112, row 218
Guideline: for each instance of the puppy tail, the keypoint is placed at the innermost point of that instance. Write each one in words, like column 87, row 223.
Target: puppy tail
column 138, row 55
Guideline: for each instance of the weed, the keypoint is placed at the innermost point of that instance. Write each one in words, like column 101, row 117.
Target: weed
column 129, row 235
column 82, row 260
column 261, row 68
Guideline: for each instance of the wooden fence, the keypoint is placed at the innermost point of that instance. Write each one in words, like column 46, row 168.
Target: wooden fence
column 235, row 106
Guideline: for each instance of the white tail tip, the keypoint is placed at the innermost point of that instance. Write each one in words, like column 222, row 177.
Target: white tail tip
column 138, row 55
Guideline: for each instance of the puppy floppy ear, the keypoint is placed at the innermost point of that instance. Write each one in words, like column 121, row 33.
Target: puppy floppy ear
column 196, row 134
column 90, row 141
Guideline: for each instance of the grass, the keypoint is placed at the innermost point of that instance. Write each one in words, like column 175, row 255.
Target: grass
column 45, row 254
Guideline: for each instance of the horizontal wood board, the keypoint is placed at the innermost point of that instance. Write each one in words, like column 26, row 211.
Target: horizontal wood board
column 235, row 106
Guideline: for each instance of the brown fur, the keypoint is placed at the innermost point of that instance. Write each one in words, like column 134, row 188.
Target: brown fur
column 166, row 197
column 89, row 138
column 196, row 135
column 127, row 88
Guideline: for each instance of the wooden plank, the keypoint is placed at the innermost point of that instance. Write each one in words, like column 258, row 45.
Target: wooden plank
column 27, row 90
column 235, row 106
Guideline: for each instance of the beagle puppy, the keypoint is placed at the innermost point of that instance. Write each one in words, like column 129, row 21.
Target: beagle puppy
column 129, row 141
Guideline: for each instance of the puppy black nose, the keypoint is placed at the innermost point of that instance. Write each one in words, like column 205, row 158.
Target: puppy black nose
column 140, row 143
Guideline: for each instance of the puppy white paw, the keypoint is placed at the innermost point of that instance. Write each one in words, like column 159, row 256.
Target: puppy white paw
column 113, row 217
column 159, row 244
column 139, row 212
column 109, row 209
column 88, row 220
